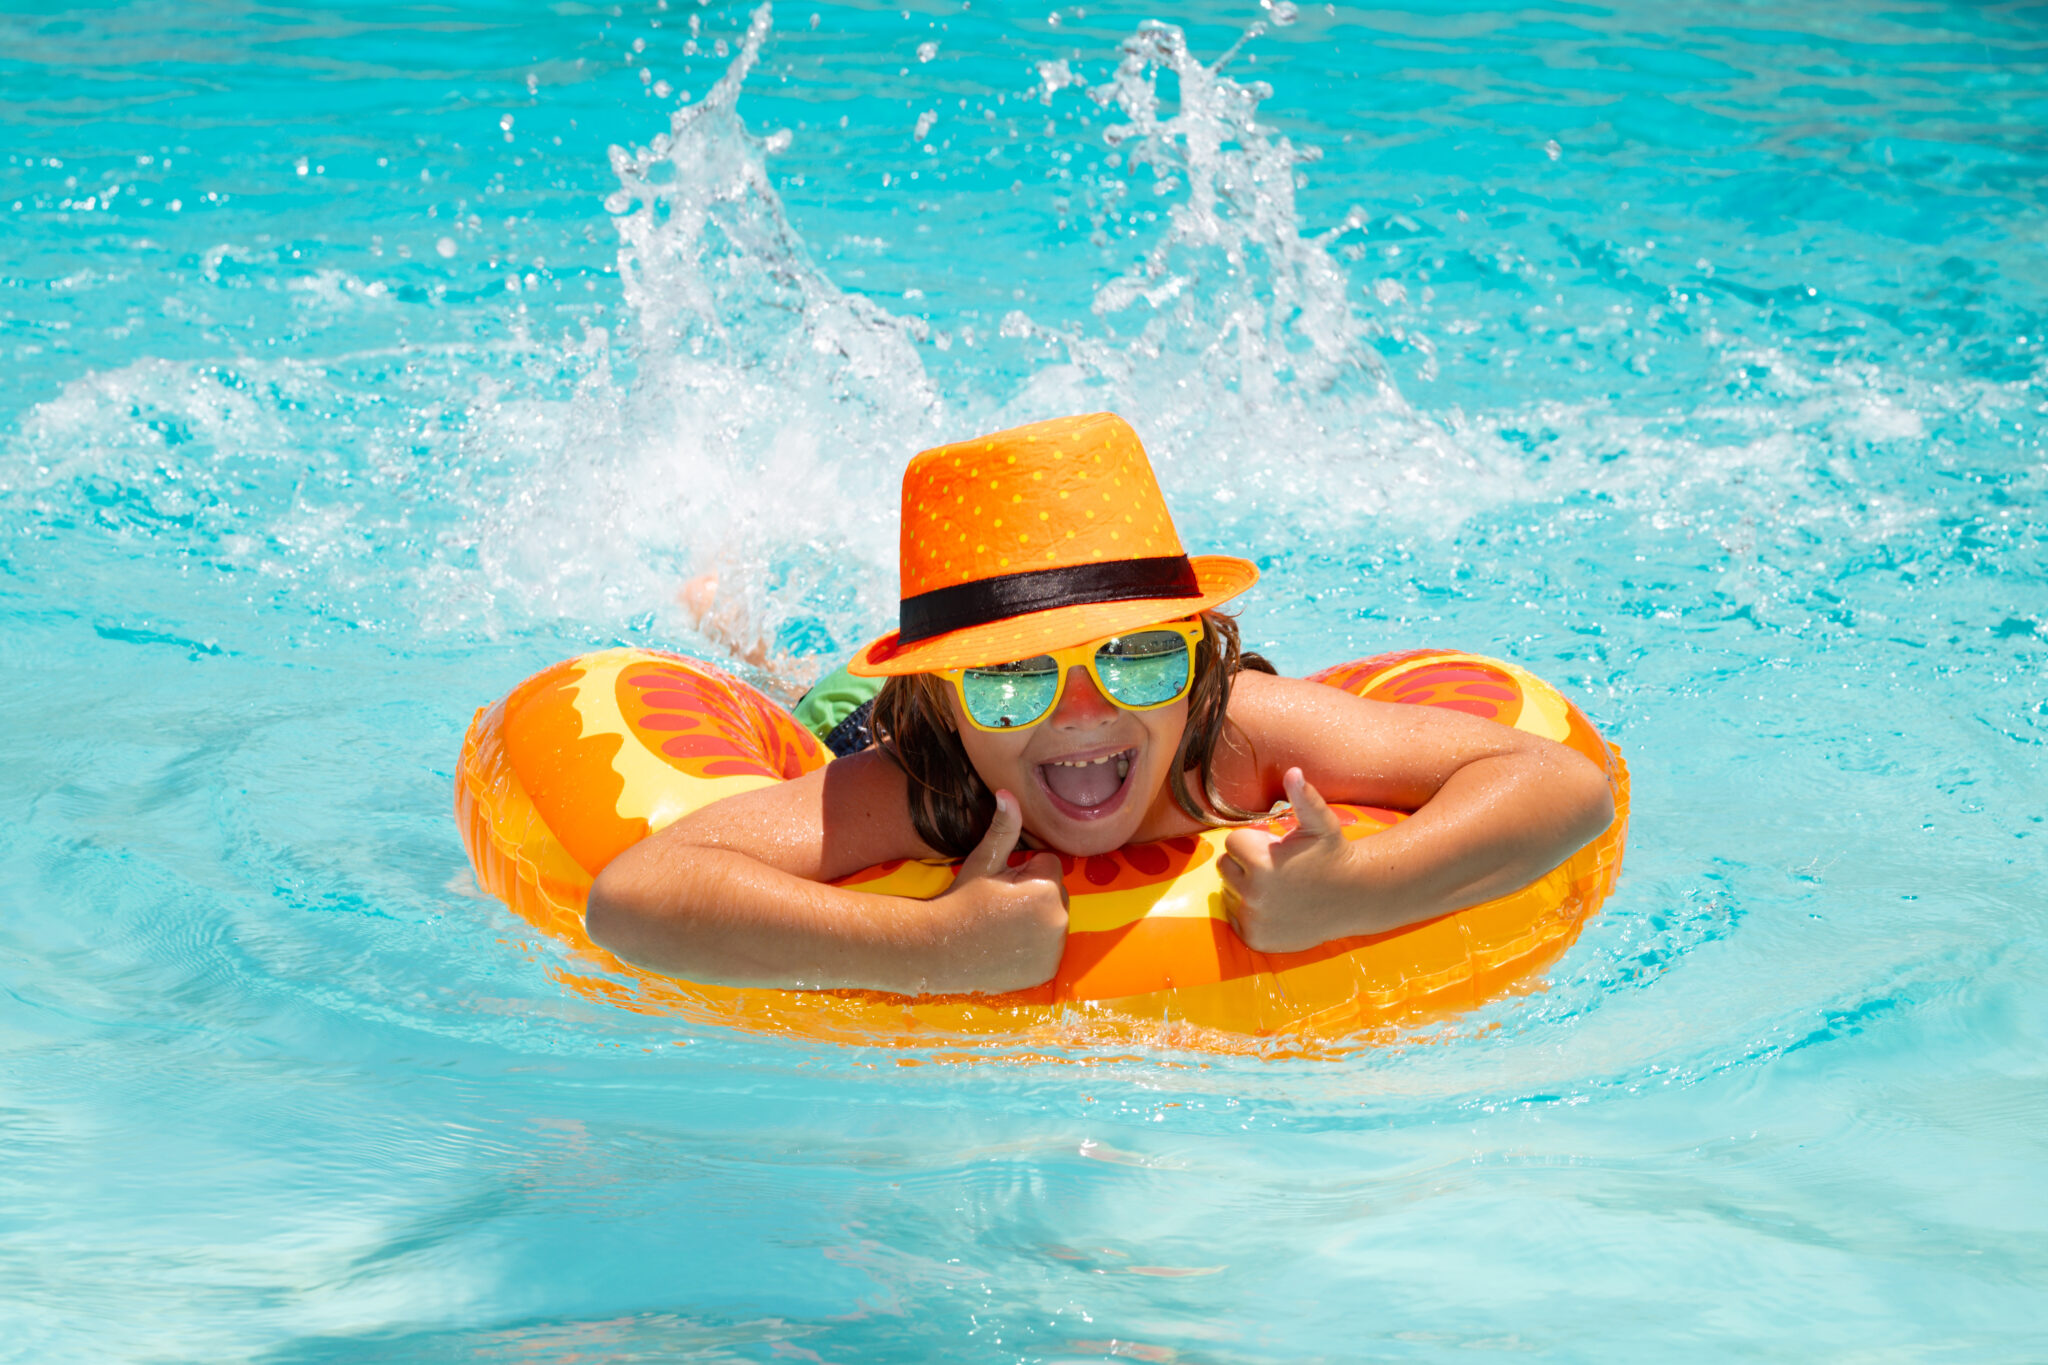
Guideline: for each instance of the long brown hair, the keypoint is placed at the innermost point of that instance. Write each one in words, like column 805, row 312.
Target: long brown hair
column 951, row 806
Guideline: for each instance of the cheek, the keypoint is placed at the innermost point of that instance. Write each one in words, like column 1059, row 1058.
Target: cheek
column 1164, row 729
column 998, row 759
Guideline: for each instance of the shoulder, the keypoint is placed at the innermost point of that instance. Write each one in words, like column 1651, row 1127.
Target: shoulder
column 1286, row 713
column 869, row 792
column 1368, row 752
column 1296, row 718
column 1273, row 720
column 1270, row 722
column 833, row 821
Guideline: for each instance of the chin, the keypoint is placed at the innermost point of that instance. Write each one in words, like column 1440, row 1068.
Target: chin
column 1082, row 841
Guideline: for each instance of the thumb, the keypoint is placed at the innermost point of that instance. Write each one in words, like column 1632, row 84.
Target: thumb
column 992, row 855
column 1311, row 812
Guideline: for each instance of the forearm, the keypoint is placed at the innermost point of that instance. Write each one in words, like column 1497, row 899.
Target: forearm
column 711, row 915
column 1496, row 825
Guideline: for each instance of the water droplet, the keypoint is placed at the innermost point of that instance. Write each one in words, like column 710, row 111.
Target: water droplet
column 1054, row 77
column 446, row 246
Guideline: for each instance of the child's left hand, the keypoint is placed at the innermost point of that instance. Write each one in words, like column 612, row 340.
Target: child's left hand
column 1287, row 893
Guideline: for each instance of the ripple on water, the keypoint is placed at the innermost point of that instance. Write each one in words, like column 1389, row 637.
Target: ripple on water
column 1694, row 364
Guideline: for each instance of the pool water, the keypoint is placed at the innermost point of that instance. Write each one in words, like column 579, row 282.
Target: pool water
column 362, row 359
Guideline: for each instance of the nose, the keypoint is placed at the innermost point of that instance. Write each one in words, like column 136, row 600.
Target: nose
column 1082, row 705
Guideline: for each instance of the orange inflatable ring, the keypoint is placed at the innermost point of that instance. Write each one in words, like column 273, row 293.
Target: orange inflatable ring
column 592, row 755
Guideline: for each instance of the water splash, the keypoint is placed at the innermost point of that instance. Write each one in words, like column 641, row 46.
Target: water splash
column 719, row 281
column 1233, row 340
column 749, row 417
column 760, row 409
column 1282, row 315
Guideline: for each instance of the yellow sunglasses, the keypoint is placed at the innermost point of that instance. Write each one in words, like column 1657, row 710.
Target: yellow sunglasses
column 1141, row 670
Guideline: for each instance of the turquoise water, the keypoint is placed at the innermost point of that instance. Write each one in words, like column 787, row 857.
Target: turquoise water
column 1690, row 354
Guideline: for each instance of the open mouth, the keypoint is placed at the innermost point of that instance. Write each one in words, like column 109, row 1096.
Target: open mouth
column 1087, row 788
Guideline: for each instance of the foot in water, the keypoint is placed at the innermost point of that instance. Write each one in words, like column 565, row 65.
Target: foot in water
column 725, row 624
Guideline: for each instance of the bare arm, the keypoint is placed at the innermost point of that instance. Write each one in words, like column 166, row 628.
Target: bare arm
column 1494, row 809
column 737, row 894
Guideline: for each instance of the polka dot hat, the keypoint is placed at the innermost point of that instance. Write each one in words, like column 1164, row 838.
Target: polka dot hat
column 1035, row 539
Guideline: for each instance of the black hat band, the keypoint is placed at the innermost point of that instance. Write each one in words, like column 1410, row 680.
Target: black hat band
column 978, row 603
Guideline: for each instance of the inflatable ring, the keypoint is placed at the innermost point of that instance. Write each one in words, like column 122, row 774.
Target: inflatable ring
column 590, row 756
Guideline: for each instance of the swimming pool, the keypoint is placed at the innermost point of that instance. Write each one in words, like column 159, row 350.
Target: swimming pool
column 1688, row 354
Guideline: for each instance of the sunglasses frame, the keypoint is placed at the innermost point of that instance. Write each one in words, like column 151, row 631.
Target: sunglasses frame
column 1189, row 629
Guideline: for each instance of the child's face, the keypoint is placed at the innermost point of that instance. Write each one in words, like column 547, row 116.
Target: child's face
column 1085, row 776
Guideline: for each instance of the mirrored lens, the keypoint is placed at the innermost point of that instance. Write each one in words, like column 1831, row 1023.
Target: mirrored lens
column 1147, row 668
column 1004, row 696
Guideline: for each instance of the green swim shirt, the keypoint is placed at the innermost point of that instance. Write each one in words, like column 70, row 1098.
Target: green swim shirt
column 837, row 695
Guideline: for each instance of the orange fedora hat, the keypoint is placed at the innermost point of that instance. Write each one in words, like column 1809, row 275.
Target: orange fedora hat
column 1034, row 539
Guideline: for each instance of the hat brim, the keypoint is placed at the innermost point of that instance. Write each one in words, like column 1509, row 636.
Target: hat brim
column 1220, row 578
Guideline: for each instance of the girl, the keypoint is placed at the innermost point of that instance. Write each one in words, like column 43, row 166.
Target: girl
column 1062, row 680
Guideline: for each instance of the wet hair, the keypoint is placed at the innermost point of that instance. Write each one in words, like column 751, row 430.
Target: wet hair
column 951, row 806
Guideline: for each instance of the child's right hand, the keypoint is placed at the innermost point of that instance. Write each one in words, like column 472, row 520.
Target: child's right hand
column 1005, row 926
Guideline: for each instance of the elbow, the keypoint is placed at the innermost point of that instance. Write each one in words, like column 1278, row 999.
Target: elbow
column 640, row 911
column 608, row 915
column 1589, row 797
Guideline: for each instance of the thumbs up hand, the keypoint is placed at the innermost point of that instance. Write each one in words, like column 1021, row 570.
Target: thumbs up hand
column 1294, row 891
column 1004, row 927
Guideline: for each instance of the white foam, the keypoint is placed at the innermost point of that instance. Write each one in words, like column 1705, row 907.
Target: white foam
column 749, row 417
